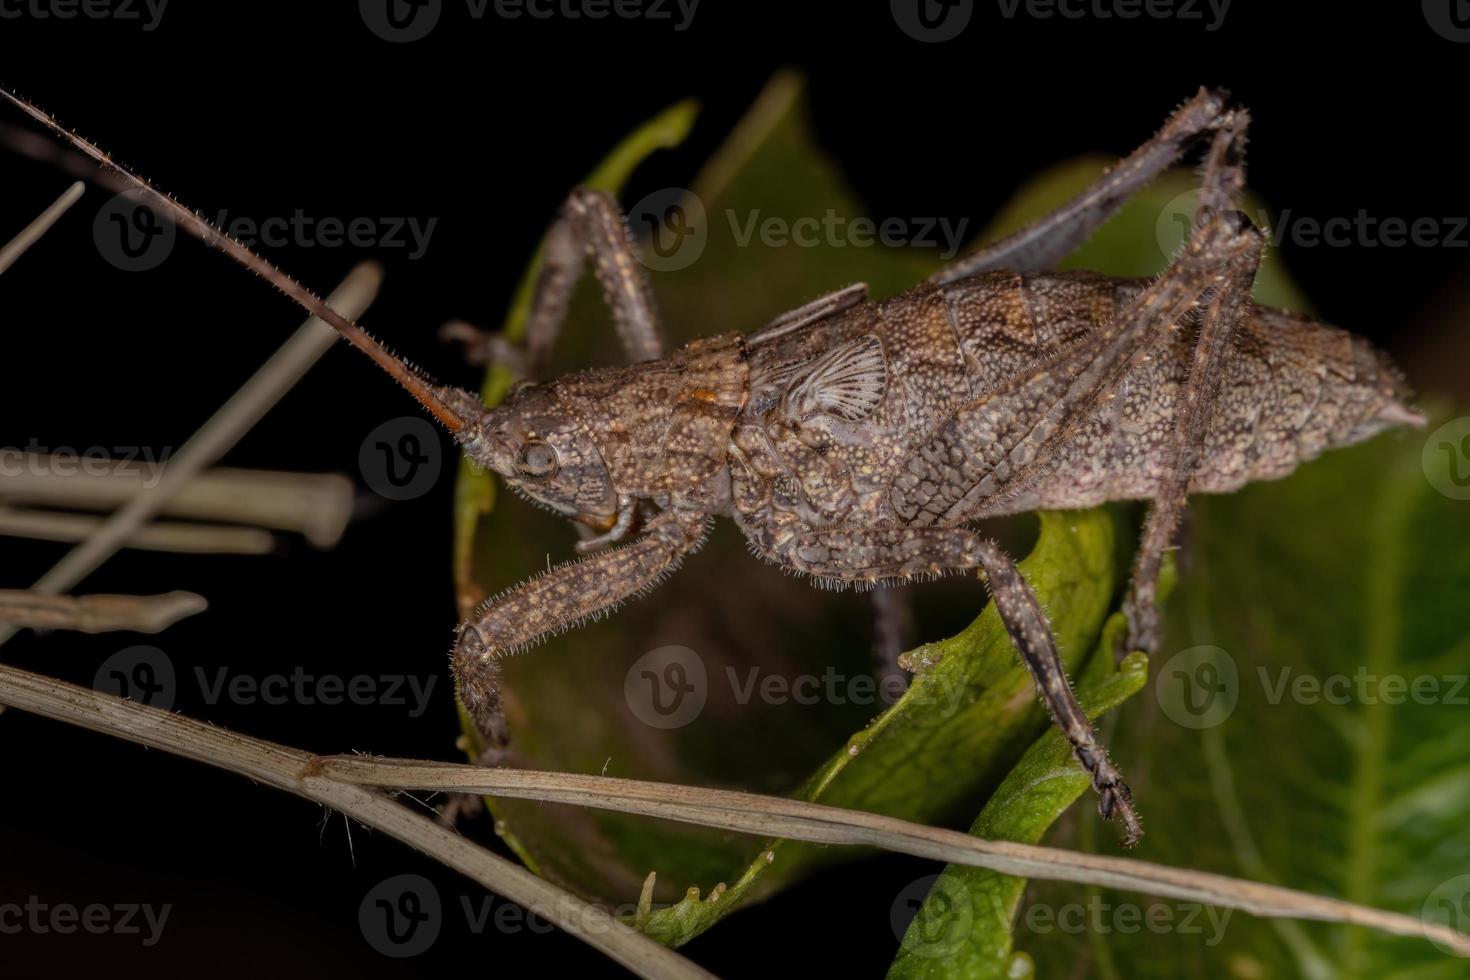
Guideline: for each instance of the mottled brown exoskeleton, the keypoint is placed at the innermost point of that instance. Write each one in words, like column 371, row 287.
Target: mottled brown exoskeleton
column 857, row 442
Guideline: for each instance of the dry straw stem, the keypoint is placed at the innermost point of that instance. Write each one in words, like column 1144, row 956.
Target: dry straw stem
column 317, row 505
column 778, row 817
column 233, row 419
column 97, row 613
column 194, row 539
column 301, row 773
column 326, row 779
column 32, row 232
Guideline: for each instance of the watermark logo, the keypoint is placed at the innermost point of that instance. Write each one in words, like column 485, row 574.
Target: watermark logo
column 143, row 674
column 932, row 21
column 671, row 228
column 130, row 235
column 1199, row 687
column 402, row 458
column 1448, row 905
column 667, row 688
column 1450, row 19
column 1446, row 459
column 943, row 927
column 400, row 21
column 401, row 916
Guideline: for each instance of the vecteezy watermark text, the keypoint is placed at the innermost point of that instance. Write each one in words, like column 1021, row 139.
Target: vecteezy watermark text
column 403, row 916
column 673, row 228
column 147, row 13
column 66, row 461
column 146, row 674
column 401, row 21
column 668, row 688
column 833, row 230
column 1099, row 916
column 934, row 21
column 304, row 231
column 42, row 918
column 1210, row 12
column 1201, row 687
column 133, row 237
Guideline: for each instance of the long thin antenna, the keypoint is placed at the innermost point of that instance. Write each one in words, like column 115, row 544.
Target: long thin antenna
column 421, row 388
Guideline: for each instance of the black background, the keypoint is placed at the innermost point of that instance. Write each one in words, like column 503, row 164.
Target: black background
column 263, row 108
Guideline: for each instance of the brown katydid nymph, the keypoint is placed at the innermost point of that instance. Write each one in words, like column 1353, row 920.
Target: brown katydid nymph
column 857, row 442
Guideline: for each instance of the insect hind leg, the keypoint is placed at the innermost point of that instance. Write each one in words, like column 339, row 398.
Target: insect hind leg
column 866, row 556
column 1224, row 179
column 1045, row 242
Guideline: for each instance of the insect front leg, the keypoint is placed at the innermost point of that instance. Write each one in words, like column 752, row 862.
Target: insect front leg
column 559, row 599
column 1224, row 178
column 589, row 224
column 866, row 557
column 1045, row 242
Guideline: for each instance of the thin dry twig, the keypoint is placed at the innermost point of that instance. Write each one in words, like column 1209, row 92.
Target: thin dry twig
column 194, row 539
column 300, row 773
column 742, row 812
column 776, row 817
column 97, row 613
column 316, row 505
column 233, row 419
column 32, row 232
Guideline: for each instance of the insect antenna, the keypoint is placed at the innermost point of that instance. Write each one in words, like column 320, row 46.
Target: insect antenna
column 424, row 390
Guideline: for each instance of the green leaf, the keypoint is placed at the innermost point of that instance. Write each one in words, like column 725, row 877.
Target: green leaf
column 1324, row 594
column 963, row 928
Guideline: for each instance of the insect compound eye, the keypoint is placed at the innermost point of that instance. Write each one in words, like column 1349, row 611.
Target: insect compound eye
column 537, row 459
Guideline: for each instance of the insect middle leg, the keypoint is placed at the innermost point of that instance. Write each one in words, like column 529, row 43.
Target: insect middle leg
column 589, row 224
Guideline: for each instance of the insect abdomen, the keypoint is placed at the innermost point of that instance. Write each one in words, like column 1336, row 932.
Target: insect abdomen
column 1291, row 389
